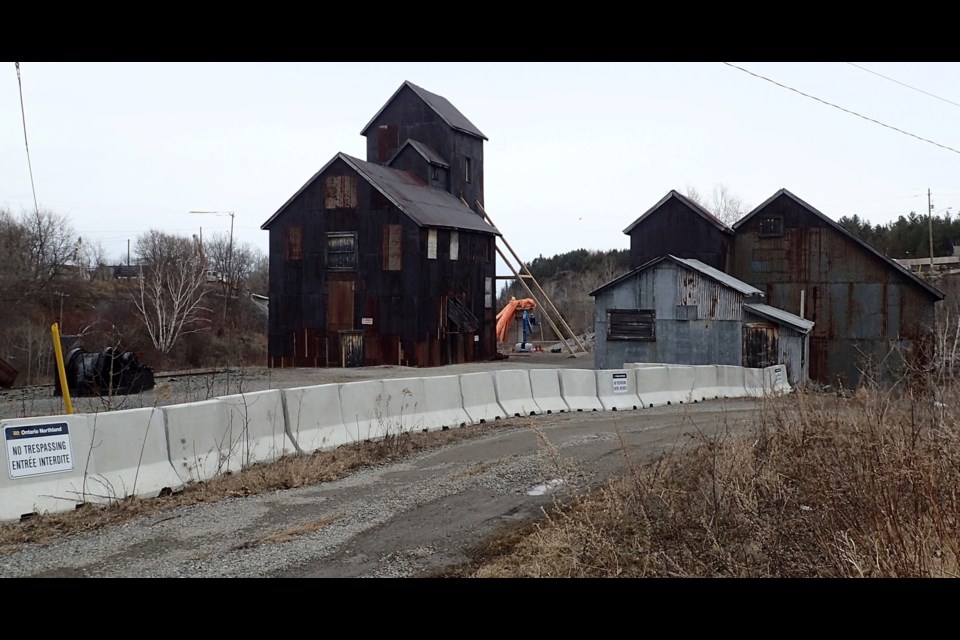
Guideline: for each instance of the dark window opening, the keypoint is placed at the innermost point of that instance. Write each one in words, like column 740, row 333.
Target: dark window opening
column 435, row 172
column 631, row 324
column 467, row 170
column 771, row 227
column 342, row 251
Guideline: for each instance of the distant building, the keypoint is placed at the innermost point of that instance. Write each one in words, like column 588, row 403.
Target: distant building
column 870, row 313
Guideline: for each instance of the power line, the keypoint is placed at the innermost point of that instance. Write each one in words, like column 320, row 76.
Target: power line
column 904, row 84
column 23, row 115
column 854, row 113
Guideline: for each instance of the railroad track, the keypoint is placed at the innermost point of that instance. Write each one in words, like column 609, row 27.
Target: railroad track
column 39, row 389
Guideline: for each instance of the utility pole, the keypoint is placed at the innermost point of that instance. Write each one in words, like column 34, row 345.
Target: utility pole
column 930, row 221
column 225, row 277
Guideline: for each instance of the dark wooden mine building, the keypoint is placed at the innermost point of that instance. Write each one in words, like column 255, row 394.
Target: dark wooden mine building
column 679, row 226
column 870, row 314
column 381, row 261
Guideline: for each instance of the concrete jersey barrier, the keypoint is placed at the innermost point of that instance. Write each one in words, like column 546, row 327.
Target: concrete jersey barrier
column 313, row 419
column 579, row 389
column 46, row 464
column 480, row 397
column 514, row 393
column 617, row 389
column 545, row 386
column 260, row 419
column 683, row 382
column 201, row 443
column 130, row 456
column 363, row 405
column 444, row 403
column 404, row 404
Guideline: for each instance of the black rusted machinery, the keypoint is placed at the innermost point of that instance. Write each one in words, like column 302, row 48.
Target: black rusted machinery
column 110, row 372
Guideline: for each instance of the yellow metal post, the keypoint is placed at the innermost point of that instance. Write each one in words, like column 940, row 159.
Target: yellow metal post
column 55, row 330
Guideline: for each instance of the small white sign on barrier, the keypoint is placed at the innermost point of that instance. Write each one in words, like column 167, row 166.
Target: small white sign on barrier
column 620, row 383
column 37, row 449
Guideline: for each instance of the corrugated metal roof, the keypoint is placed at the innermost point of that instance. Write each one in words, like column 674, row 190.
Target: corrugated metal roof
column 450, row 114
column 428, row 154
column 426, row 206
column 835, row 225
column 712, row 219
column 780, row 316
column 721, row 277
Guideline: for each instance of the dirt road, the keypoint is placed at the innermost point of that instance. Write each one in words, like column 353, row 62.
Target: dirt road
column 417, row 517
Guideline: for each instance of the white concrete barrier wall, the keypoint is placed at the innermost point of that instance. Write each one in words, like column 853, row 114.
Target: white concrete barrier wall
column 545, row 385
column 313, row 418
column 683, row 382
column 730, row 381
column 38, row 478
column 260, row 420
column 444, row 403
column 130, row 456
column 579, row 389
column 617, row 390
column 404, row 404
column 653, row 386
column 362, row 405
column 514, row 393
column 775, row 380
column 480, row 397
column 753, row 382
column 705, row 382
column 202, row 445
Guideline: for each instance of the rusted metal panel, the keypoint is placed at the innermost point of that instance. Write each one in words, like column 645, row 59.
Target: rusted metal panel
column 711, row 299
column 388, row 141
column 339, row 305
column 341, row 192
column 392, row 247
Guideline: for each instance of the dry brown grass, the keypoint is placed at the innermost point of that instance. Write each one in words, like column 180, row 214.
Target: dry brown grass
column 827, row 486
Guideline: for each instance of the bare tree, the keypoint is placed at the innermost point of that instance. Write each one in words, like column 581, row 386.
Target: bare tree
column 50, row 244
column 172, row 287
column 721, row 202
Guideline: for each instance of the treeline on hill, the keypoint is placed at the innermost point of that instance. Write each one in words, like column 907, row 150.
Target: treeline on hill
column 567, row 279
column 908, row 236
column 177, row 304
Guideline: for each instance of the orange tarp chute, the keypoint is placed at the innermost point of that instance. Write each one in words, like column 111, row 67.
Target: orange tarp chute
column 507, row 314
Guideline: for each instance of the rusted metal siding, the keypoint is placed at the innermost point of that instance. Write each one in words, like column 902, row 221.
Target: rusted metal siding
column 862, row 306
column 677, row 230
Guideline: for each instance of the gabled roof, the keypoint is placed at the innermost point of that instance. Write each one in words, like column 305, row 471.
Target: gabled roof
column 714, row 274
column 427, row 206
column 428, row 154
column 706, row 215
column 893, row 264
column 780, row 316
column 449, row 113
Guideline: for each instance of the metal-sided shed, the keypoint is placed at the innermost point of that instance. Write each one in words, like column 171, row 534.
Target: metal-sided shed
column 683, row 311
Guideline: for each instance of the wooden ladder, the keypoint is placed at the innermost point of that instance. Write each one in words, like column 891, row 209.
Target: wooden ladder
column 522, row 275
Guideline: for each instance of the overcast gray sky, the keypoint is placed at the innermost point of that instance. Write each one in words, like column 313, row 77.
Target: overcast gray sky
column 576, row 151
